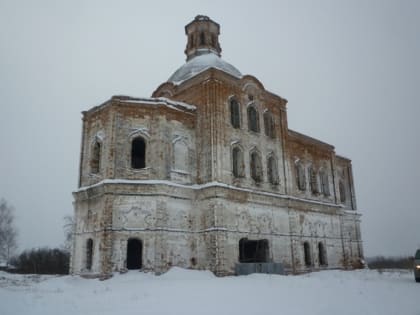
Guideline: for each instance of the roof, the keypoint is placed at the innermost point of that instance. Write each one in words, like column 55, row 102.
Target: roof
column 201, row 63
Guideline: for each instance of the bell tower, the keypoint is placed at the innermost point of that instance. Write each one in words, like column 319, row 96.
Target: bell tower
column 203, row 37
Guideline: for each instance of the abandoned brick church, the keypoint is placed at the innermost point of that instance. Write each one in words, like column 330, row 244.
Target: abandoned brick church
column 206, row 174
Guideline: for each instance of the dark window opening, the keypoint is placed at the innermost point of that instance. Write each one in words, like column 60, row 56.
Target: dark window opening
column 269, row 126
column 89, row 254
column 324, row 183
column 256, row 167
column 272, row 172
column 253, row 251
column 234, row 114
column 138, row 153
column 134, row 254
column 307, row 254
column 253, row 119
column 322, row 255
column 342, row 192
column 202, row 38
column 238, row 162
column 96, row 158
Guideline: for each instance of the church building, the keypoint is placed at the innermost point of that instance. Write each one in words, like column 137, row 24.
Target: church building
column 206, row 174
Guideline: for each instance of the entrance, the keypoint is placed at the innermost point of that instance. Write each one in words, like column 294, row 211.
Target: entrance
column 134, row 253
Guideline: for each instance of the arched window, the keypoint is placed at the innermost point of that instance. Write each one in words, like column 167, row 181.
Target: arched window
column 253, row 119
column 300, row 176
column 256, row 167
column 322, row 255
column 272, row 173
column 95, row 162
column 269, row 126
column 342, row 191
column 89, row 254
column 307, row 254
column 238, row 162
column 325, row 187
column 234, row 114
column 314, row 180
column 138, row 153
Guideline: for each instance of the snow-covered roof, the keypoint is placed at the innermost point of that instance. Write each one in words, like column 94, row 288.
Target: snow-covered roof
column 201, row 63
column 156, row 101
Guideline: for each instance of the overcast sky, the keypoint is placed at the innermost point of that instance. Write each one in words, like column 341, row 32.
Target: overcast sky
column 349, row 69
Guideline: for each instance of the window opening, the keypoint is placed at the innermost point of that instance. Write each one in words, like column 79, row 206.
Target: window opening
column 138, row 153
column 234, row 114
column 300, row 177
column 238, row 162
column 256, row 167
column 322, row 255
column 269, row 127
column 253, row 251
column 253, row 119
column 342, row 191
column 96, row 158
column 272, row 172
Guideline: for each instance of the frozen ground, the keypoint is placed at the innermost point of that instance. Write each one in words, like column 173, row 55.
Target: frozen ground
column 199, row 292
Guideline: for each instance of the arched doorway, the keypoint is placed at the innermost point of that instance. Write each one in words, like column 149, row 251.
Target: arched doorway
column 134, row 253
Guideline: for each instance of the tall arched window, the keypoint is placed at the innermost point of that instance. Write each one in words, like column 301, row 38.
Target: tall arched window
column 138, row 153
column 89, row 254
column 307, row 254
column 253, row 119
column 235, row 114
column 202, row 38
column 300, row 176
column 325, row 187
column 256, row 167
column 272, row 173
column 342, row 190
column 95, row 162
column 322, row 255
column 238, row 162
column 269, row 126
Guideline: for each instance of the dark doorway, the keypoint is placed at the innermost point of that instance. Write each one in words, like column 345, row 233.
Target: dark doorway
column 253, row 251
column 307, row 253
column 134, row 253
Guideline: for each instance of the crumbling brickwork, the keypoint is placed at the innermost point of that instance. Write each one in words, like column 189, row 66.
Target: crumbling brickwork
column 187, row 181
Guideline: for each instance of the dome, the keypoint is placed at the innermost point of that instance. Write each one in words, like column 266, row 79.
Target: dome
column 200, row 63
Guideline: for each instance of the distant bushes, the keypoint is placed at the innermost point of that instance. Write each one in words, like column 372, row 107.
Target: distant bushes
column 380, row 262
column 42, row 261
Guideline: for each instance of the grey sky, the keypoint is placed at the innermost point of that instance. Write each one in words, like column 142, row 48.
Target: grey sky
column 350, row 70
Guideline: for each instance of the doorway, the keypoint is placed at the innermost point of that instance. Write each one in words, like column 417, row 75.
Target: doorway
column 134, row 254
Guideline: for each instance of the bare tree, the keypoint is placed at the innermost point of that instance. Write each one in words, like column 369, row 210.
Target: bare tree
column 8, row 232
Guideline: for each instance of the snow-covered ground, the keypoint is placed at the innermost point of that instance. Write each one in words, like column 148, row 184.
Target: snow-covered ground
column 199, row 292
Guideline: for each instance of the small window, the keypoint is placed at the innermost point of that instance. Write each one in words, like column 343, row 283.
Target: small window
column 138, row 153
column 324, row 183
column 89, row 254
column 237, row 162
column 256, row 167
column 234, row 114
column 300, row 176
column 342, row 191
column 307, row 254
column 322, row 255
column 95, row 162
column 272, row 173
column 253, row 119
column 253, row 251
column 269, row 126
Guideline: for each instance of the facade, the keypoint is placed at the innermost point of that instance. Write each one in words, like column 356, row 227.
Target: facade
column 205, row 174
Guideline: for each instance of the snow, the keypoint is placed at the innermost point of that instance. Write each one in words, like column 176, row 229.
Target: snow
column 158, row 101
column 201, row 63
column 199, row 292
